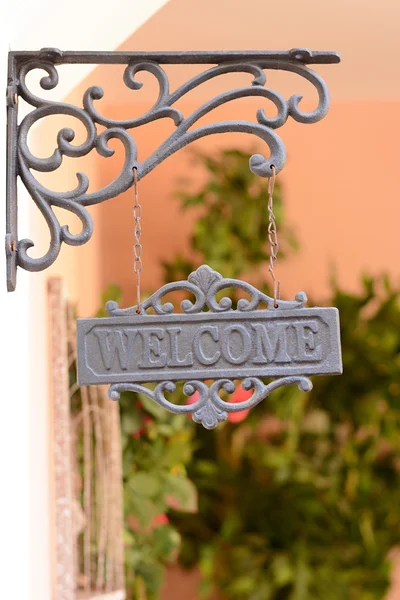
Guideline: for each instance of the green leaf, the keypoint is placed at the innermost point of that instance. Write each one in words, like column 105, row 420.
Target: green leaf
column 132, row 422
column 282, row 570
column 144, row 509
column 177, row 449
column 180, row 493
column 316, row 422
column 166, row 542
column 153, row 408
column 145, row 484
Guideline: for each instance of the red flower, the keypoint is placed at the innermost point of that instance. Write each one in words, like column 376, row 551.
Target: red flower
column 239, row 395
column 159, row 520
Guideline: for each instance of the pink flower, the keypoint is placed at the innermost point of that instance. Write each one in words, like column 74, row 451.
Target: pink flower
column 239, row 395
column 193, row 398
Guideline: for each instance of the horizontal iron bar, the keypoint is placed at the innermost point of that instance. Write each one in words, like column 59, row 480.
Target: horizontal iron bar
column 301, row 55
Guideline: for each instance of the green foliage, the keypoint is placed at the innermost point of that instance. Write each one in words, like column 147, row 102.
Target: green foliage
column 231, row 231
column 156, row 447
column 299, row 501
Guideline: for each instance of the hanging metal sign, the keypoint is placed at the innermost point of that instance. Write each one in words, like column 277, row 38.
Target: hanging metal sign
column 209, row 341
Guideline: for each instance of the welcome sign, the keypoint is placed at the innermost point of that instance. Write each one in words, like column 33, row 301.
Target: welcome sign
column 262, row 343
column 209, row 345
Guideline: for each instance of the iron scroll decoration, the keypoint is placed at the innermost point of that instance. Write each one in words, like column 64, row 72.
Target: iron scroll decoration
column 22, row 163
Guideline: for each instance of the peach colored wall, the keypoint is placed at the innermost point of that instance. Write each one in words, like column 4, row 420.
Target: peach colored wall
column 333, row 167
column 340, row 197
column 365, row 32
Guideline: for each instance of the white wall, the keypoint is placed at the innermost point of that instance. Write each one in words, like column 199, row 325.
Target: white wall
column 25, row 549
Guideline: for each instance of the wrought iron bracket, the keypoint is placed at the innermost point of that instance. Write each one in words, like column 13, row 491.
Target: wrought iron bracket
column 22, row 164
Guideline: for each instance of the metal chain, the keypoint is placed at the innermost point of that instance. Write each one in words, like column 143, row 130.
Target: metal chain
column 137, row 248
column 273, row 237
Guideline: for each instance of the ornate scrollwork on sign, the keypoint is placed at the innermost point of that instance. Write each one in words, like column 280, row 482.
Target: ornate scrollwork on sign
column 186, row 131
column 209, row 409
column 208, row 341
column 205, row 284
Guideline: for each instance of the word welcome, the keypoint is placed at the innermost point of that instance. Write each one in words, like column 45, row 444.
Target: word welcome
column 157, row 347
column 151, row 348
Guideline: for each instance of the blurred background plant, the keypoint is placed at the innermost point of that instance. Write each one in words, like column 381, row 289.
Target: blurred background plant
column 230, row 231
column 300, row 500
column 156, row 448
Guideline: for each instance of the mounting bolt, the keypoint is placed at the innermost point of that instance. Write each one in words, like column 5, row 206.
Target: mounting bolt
column 11, row 244
column 53, row 54
column 11, row 96
column 300, row 54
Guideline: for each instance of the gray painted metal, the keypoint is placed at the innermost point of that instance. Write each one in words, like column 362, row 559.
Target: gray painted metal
column 209, row 340
column 21, row 162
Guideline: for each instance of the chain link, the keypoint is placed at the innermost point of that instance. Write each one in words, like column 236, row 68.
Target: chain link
column 273, row 237
column 137, row 248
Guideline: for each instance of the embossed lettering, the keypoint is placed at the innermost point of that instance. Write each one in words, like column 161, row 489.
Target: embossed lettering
column 111, row 342
column 306, row 349
column 175, row 361
column 227, row 344
column 212, row 331
column 151, row 349
column 271, row 343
